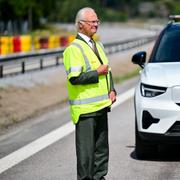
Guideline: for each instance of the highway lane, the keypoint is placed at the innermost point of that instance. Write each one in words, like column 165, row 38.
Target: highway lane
column 28, row 133
column 118, row 31
column 123, row 162
column 57, row 161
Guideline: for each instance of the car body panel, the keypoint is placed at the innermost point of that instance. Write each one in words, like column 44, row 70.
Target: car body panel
column 163, row 74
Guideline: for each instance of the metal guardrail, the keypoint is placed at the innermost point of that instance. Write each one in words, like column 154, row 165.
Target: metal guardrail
column 128, row 44
column 21, row 63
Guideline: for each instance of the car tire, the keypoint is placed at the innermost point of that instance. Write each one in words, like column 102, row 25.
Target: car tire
column 143, row 149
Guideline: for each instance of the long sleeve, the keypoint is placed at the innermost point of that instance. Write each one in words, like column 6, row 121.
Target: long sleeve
column 85, row 78
column 89, row 78
column 111, row 82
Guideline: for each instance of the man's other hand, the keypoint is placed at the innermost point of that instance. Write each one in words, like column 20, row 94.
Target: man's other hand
column 112, row 96
column 102, row 69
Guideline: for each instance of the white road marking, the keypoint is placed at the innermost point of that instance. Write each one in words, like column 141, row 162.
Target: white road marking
column 48, row 139
column 123, row 97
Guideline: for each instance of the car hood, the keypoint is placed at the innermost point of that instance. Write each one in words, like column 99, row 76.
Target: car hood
column 161, row 74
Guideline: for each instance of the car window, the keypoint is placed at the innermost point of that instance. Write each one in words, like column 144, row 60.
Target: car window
column 169, row 47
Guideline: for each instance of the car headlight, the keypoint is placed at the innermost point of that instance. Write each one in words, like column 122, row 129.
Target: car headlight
column 151, row 91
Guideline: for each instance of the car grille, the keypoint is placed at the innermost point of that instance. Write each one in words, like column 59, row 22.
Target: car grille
column 174, row 129
column 148, row 119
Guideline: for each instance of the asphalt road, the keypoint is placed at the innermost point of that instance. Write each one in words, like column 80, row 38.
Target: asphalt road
column 112, row 32
column 57, row 160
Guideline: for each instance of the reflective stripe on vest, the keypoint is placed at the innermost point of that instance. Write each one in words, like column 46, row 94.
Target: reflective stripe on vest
column 88, row 67
column 89, row 100
column 74, row 69
column 101, row 46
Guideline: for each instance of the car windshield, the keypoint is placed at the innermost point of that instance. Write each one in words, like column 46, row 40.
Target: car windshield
column 169, row 47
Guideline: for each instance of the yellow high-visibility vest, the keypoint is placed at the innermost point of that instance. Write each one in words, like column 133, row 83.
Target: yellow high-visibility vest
column 86, row 98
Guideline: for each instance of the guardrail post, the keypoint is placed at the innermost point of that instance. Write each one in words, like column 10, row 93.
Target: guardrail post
column 1, row 71
column 41, row 63
column 57, row 60
column 23, row 67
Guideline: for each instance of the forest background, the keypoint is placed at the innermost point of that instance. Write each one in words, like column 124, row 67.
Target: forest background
column 16, row 15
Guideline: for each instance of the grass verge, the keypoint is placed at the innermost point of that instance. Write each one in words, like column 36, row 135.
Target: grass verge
column 126, row 76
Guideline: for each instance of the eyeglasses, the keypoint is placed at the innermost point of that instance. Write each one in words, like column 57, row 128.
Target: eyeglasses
column 91, row 22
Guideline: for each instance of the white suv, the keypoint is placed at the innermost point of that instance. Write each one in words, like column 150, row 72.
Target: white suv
column 157, row 95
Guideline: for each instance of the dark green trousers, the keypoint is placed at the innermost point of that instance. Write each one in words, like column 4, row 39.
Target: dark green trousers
column 92, row 147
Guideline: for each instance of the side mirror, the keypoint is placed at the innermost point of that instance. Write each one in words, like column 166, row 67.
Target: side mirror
column 139, row 58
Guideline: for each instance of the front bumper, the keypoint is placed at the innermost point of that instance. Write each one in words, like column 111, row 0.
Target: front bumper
column 160, row 138
column 162, row 110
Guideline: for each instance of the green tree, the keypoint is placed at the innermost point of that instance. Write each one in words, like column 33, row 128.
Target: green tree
column 67, row 10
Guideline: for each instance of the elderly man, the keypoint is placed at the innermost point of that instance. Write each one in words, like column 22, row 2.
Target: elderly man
column 91, row 93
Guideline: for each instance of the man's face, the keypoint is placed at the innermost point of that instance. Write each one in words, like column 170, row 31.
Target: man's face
column 89, row 24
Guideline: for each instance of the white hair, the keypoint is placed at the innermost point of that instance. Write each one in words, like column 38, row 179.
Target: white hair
column 80, row 15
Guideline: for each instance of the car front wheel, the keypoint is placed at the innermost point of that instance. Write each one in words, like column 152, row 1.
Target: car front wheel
column 143, row 149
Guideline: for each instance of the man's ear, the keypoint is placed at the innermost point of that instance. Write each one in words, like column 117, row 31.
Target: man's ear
column 80, row 25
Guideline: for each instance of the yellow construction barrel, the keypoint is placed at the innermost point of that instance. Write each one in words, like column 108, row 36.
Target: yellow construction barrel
column 36, row 42
column 71, row 38
column 26, row 41
column 51, row 42
column 4, row 45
